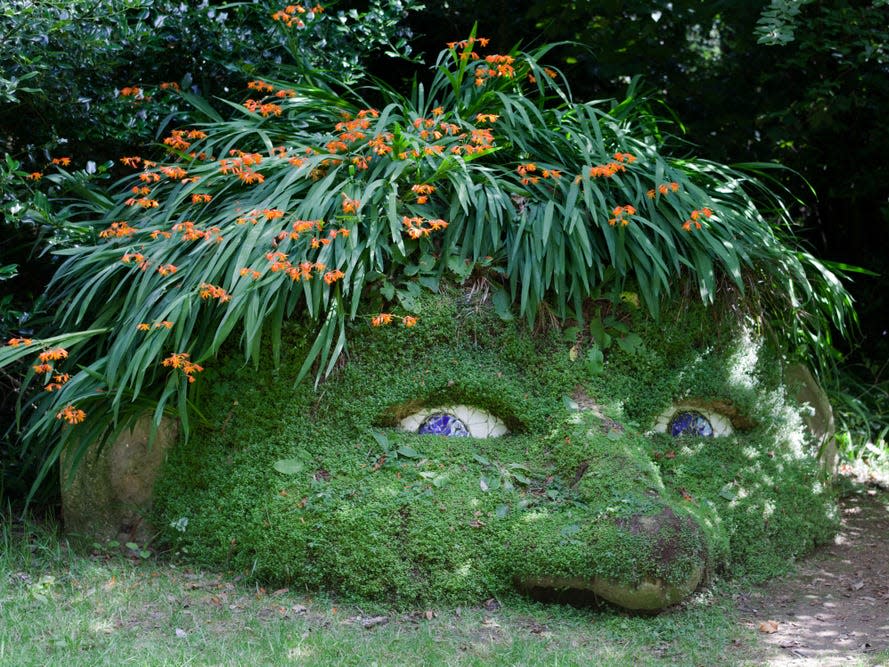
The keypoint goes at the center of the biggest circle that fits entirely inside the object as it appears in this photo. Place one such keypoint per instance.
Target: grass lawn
(65, 606)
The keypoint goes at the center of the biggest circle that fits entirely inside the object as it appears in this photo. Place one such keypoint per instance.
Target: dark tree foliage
(802, 83)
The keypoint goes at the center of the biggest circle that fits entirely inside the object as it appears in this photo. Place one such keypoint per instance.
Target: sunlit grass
(64, 606)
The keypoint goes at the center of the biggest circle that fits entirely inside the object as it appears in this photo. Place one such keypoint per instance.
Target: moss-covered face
(343, 488)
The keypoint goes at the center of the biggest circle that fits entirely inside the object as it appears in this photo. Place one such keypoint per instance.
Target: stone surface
(647, 595)
(111, 491)
(818, 415)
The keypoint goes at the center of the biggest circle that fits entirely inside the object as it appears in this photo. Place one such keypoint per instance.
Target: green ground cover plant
(322, 490)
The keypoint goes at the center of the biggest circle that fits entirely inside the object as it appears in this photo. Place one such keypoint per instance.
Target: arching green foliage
(326, 203)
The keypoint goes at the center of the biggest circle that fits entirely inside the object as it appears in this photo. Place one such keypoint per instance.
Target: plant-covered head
(467, 457)
(329, 204)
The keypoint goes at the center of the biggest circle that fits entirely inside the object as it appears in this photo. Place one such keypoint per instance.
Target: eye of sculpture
(689, 422)
(442, 423)
(454, 421)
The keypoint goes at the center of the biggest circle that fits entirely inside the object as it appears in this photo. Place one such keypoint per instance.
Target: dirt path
(835, 609)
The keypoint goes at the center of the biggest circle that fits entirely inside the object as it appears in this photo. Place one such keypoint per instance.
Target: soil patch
(835, 609)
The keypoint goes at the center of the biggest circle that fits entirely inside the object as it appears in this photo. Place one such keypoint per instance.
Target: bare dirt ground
(835, 609)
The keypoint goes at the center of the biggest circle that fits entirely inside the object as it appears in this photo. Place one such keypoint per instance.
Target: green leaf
(289, 466)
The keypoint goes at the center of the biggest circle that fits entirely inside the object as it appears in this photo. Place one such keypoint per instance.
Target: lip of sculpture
(648, 593)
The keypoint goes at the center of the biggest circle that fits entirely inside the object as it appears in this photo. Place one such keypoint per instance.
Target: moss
(566, 496)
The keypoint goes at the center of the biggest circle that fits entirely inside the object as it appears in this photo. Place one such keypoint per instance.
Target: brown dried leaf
(768, 627)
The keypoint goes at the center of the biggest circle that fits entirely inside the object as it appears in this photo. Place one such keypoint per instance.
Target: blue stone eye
(690, 423)
(442, 423)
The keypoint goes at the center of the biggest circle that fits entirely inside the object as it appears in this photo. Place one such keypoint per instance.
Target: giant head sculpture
(467, 456)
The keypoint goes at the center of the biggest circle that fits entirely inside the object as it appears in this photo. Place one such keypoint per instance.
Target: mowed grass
(66, 606)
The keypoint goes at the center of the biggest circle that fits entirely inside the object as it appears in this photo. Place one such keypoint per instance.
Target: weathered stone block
(112, 489)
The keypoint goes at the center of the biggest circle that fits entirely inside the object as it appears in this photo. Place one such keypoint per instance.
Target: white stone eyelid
(479, 423)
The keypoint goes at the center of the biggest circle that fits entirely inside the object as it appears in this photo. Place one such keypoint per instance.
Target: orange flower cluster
(131, 91)
(380, 144)
(149, 177)
(40, 369)
(167, 269)
(191, 233)
(169, 85)
(180, 360)
(144, 202)
(201, 198)
(301, 226)
(15, 342)
(289, 16)
(486, 118)
(117, 229)
(502, 66)
(71, 414)
(62, 161)
(386, 318)
(163, 324)
(350, 205)
(621, 215)
(54, 354)
(260, 86)
(332, 276)
(241, 165)
(174, 173)
(664, 189)
(208, 291)
(417, 227)
(177, 141)
(58, 380)
(137, 258)
(265, 109)
(695, 219)
(252, 273)
(482, 41)
(303, 271)
(131, 161)
(158, 233)
(35, 176)
(423, 191)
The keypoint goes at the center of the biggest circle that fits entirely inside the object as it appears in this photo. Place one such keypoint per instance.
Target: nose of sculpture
(625, 537)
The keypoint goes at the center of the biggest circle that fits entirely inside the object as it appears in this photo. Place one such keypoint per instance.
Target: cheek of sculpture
(467, 458)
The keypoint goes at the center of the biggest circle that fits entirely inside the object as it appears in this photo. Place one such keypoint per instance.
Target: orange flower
(35, 175)
(40, 369)
(54, 354)
(208, 291)
(165, 324)
(15, 342)
(132, 161)
(201, 198)
(350, 205)
(169, 85)
(71, 414)
(143, 326)
(174, 172)
(486, 118)
(409, 320)
(180, 360)
(63, 161)
(167, 269)
(381, 319)
(117, 229)
(332, 276)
